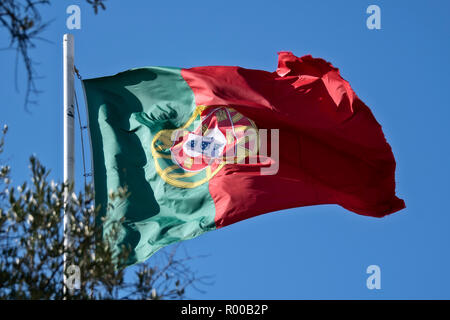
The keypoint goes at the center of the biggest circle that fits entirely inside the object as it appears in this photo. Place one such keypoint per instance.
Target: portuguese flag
(201, 148)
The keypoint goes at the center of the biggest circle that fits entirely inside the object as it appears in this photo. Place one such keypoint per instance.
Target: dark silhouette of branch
(24, 24)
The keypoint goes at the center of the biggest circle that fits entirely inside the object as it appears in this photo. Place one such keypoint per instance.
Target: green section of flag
(125, 112)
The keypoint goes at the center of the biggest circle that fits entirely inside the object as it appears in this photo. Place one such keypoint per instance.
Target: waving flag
(202, 148)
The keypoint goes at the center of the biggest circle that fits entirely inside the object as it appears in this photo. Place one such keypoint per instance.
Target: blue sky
(321, 252)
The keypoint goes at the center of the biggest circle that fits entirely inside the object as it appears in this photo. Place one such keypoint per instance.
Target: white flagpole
(68, 118)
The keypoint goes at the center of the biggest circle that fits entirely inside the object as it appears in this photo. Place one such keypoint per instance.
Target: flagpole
(68, 119)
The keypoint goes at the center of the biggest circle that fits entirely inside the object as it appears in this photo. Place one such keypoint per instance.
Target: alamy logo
(374, 20)
(374, 280)
(73, 279)
(74, 19)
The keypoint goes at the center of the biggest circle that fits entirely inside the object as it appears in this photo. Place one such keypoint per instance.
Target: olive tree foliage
(32, 247)
(23, 22)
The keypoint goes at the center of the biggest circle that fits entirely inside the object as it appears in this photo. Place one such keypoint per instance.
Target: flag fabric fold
(172, 136)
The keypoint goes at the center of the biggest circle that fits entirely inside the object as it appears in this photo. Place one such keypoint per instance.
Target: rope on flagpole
(85, 174)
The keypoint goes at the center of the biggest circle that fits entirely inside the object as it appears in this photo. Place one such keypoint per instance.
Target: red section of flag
(332, 149)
